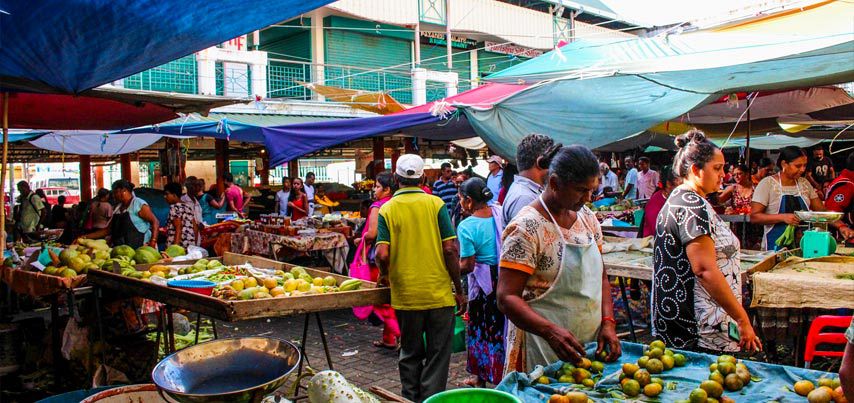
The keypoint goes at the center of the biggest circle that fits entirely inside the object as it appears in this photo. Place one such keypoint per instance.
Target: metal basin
(818, 216)
(227, 370)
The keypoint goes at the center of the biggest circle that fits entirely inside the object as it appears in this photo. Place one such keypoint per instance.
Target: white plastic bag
(75, 339)
(105, 376)
(193, 253)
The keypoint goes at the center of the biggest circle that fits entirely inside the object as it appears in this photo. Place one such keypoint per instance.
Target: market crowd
(522, 252)
(518, 254)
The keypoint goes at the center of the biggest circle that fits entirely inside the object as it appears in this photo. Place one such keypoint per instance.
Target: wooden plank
(205, 305)
(285, 306)
(388, 396)
(636, 272)
(235, 310)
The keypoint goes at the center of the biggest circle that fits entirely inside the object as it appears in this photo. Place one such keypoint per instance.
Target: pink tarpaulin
(481, 97)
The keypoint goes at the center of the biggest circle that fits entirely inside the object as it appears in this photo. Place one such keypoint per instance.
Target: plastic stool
(816, 337)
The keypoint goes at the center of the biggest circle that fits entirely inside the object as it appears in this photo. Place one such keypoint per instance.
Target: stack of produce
(828, 390)
(294, 283)
(637, 378)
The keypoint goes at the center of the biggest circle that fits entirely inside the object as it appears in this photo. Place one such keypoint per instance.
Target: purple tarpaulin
(284, 143)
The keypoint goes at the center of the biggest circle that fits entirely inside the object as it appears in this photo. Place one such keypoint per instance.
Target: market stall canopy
(778, 104)
(791, 111)
(640, 141)
(73, 46)
(105, 108)
(245, 127)
(372, 101)
(93, 142)
(778, 141)
(599, 91)
(223, 129)
(436, 120)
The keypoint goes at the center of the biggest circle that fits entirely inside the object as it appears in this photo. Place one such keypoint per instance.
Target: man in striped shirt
(445, 188)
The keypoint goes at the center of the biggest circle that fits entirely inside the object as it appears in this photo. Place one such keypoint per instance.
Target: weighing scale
(817, 241)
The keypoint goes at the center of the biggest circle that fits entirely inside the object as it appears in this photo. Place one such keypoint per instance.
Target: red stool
(816, 337)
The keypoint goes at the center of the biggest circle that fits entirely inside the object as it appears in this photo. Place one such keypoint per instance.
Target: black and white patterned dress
(683, 313)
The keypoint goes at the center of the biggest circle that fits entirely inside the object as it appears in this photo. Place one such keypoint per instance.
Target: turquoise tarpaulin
(773, 381)
(597, 91)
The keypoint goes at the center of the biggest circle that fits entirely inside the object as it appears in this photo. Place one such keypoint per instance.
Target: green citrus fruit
(631, 388)
(629, 369)
(643, 377)
(733, 383)
(654, 366)
(712, 388)
(698, 396)
(652, 390)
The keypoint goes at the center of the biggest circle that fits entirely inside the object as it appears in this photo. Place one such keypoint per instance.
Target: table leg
(622, 282)
(323, 340)
(101, 340)
(170, 331)
(56, 339)
(198, 327)
(213, 326)
(302, 344)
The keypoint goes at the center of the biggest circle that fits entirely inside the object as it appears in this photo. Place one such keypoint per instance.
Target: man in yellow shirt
(418, 258)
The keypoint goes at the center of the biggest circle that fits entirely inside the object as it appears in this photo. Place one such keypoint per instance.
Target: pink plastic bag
(361, 270)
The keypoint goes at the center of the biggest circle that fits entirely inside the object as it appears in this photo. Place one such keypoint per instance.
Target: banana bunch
(787, 238)
(350, 285)
(127, 265)
(324, 200)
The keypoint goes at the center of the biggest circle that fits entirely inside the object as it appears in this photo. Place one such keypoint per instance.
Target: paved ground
(350, 347)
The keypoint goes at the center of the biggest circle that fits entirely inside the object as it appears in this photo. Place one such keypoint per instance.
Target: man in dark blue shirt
(445, 188)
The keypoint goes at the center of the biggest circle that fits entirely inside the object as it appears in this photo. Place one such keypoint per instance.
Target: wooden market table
(238, 310)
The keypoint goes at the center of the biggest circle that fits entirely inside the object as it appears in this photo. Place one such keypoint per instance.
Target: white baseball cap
(410, 166)
(496, 159)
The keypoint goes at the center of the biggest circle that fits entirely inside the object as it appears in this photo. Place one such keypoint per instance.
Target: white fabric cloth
(94, 142)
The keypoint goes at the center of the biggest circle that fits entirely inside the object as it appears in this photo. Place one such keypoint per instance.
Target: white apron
(574, 301)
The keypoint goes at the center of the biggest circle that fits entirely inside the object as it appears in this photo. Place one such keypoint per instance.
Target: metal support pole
(622, 282)
(747, 139)
(323, 340)
(448, 33)
(3, 171)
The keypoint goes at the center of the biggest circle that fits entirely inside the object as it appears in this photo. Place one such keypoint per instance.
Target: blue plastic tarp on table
(774, 384)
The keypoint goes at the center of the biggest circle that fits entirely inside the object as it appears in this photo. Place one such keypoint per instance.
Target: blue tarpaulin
(772, 382)
(224, 130)
(72, 46)
(284, 143)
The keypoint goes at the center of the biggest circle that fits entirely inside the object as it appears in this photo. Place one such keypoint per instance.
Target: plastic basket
(458, 342)
(203, 287)
(473, 396)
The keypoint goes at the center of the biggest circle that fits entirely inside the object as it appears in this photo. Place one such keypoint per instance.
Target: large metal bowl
(227, 370)
(818, 216)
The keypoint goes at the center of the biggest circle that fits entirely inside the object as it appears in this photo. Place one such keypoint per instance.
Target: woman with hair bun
(696, 283)
(552, 283)
(777, 197)
(480, 243)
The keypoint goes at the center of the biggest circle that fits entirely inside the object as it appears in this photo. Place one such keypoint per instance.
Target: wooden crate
(369, 294)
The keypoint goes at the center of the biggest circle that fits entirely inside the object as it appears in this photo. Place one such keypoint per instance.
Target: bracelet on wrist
(609, 319)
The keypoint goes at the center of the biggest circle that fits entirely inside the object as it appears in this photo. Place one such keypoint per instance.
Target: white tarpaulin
(94, 142)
